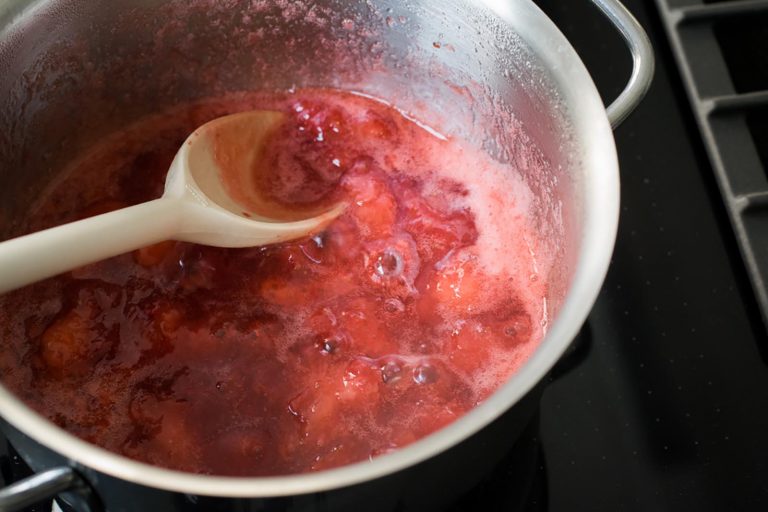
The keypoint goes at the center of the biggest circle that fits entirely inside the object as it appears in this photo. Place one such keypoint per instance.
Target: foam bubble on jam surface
(411, 308)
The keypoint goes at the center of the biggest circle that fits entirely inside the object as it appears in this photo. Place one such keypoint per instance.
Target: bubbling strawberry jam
(404, 313)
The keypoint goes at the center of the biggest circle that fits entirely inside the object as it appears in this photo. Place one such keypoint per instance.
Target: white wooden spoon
(218, 157)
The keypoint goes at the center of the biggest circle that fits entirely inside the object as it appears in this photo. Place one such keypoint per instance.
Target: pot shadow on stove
(13, 469)
(519, 481)
(517, 484)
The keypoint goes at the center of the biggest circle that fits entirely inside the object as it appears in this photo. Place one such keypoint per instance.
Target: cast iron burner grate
(722, 50)
(13, 469)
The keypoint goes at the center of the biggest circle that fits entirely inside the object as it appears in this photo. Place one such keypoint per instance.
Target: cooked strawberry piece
(64, 345)
(372, 205)
(154, 254)
(365, 329)
(175, 438)
(438, 230)
(375, 127)
(469, 346)
(455, 285)
(360, 382)
(307, 157)
(79, 338)
(239, 447)
(346, 448)
(168, 320)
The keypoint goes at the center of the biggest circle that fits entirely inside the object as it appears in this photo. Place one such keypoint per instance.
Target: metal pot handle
(44, 486)
(642, 60)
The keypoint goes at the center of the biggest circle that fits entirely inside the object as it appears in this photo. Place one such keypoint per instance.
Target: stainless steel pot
(71, 70)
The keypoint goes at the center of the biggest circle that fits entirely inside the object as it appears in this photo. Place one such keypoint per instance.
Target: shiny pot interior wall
(72, 71)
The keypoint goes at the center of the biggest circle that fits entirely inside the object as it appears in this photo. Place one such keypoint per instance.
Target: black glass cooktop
(664, 404)
(669, 410)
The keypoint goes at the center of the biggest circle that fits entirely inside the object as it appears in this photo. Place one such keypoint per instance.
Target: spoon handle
(40, 255)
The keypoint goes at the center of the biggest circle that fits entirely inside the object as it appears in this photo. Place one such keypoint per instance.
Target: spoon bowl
(223, 208)
(211, 198)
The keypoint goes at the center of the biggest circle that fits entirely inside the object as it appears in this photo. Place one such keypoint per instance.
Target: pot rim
(600, 187)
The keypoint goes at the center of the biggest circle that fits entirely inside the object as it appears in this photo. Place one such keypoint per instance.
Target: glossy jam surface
(406, 312)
